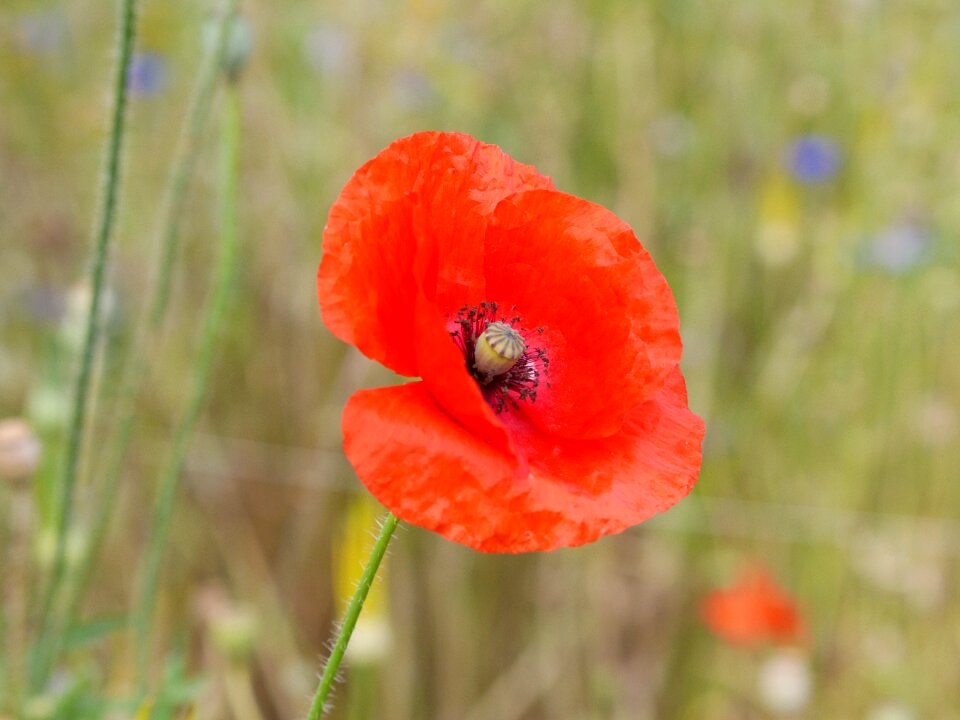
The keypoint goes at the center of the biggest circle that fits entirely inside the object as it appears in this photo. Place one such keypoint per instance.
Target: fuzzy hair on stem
(110, 193)
(319, 707)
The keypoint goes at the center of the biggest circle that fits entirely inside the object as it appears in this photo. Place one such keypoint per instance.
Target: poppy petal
(752, 611)
(411, 218)
(611, 483)
(428, 469)
(596, 435)
(612, 334)
(431, 471)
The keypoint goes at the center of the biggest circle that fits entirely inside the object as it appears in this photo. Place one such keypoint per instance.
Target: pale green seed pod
(237, 45)
(497, 350)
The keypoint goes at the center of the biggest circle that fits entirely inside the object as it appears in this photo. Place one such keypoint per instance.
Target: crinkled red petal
(609, 320)
(427, 468)
(411, 219)
(431, 471)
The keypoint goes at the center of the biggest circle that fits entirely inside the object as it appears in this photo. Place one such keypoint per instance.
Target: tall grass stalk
(319, 705)
(110, 193)
(224, 275)
(137, 365)
(186, 154)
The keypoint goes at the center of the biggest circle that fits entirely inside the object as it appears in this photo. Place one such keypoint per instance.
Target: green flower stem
(186, 155)
(319, 705)
(224, 276)
(137, 364)
(104, 232)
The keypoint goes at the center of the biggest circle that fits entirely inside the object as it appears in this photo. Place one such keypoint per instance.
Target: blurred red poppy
(550, 410)
(753, 611)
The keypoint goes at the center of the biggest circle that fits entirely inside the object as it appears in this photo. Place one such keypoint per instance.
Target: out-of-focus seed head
(237, 47)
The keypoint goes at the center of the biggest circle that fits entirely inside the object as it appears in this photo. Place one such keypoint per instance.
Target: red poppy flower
(550, 409)
(753, 611)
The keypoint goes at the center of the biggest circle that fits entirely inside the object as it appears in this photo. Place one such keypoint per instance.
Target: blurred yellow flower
(778, 237)
(372, 636)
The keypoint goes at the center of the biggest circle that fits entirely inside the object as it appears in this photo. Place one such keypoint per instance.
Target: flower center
(497, 356)
(497, 350)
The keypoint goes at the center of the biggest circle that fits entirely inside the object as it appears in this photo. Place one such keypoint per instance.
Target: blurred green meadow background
(793, 167)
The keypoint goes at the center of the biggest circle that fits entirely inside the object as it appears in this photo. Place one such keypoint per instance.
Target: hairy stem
(104, 232)
(137, 365)
(319, 705)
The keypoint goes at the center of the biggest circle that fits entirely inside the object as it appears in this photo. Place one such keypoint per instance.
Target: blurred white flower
(371, 641)
(784, 682)
(891, 711)
(905, 562)
(901, 247)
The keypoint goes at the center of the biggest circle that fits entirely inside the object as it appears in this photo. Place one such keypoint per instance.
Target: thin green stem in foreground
(137, 364)
(104, 232)
(319, 705)
(224, 275)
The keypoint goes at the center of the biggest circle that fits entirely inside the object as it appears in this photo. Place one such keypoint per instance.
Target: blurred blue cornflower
(147, 74)
(44, 304)
(899, 248)
(41, 33)
(813, 159)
